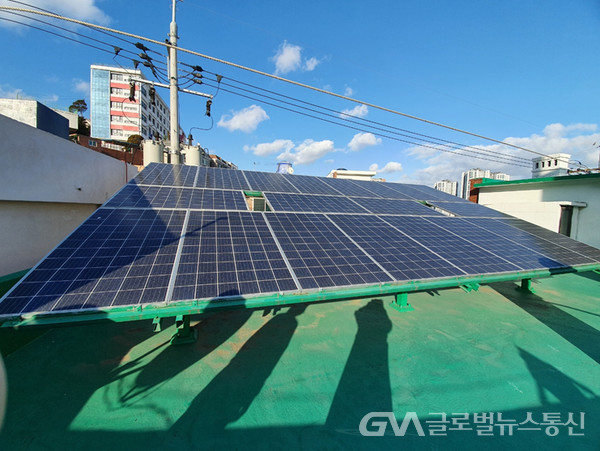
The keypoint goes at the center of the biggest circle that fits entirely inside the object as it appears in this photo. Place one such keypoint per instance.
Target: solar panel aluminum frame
(200, 306)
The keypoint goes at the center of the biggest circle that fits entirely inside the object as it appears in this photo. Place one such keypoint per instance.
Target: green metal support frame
(526, 286)
(185, 334)
(199, 306)
(401, 304)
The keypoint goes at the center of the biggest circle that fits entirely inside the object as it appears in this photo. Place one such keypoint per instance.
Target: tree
(79, 107)
(135, 141)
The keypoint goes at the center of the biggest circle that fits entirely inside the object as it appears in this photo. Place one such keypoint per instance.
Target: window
(542, 164)
(537, 165)
(118, 77)
(144, 92)
(92, 143)
(555, 162)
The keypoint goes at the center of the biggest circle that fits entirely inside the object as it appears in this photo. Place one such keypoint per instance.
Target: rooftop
(562, 178)
(305, 376)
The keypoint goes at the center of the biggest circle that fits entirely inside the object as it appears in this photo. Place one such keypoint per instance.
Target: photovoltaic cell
(349, 188)
(509, 247)
(557, 247)
(401, 256)
(313, 203)
(311, 185)
(385, 190)
(167, 175)
(271, 182)
(229, 254)
(213, 199)
(224, 179)
(319, 253)
(117, 257)
(134, 196)
(467, 256)
(396, 207)
(432, 194)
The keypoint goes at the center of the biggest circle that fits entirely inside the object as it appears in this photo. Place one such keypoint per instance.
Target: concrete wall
(35, 114)
(48, 186)
(540, 203)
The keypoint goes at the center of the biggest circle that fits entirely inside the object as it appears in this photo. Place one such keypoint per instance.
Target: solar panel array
(183, 233)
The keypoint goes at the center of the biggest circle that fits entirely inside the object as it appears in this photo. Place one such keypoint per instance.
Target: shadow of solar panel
(116, 257)
(469, 209)
(320, 254)
(285, 202)
(402, 257)
(229, 254)
(396, 207)
(470, 258)
(271, 182)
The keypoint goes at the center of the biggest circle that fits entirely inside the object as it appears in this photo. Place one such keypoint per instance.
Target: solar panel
(313, 203)
(229, 254)
(396, 207)
(275, 183)
(401, 256)
(320, 254)
(180, 238)
(459, 251)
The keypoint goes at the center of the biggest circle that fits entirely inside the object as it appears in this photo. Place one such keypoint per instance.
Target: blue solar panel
(396, 207)
(319, 253)
(510, 246)
(379, 189)
(221, 179)
(433, 194)
(349, 187)
(271, 182)
(311, 185)
(459, 251)
(313, 203)
(213, 199)
(117, 257)
(229, 254)
(402, 257)
(557, 247)
(167, 175)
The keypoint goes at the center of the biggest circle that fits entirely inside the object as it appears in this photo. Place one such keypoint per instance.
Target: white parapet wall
(48, 186)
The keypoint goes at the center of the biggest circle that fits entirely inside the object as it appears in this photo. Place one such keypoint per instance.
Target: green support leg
(185, 334)
(526, 285)
(401, 304)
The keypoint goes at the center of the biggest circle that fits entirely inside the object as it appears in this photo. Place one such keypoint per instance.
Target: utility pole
(173, 85)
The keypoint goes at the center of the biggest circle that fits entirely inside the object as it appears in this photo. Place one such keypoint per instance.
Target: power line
(276, 77)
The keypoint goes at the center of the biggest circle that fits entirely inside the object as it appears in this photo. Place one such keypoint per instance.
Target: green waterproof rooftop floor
(305, 376)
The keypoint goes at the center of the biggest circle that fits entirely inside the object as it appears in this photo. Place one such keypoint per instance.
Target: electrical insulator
(152, 94)
(131, 91)
(208, 104)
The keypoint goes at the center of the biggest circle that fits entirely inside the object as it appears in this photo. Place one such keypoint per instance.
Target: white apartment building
(447, 186)
(114, 116)
(477, 173)
(553, 165)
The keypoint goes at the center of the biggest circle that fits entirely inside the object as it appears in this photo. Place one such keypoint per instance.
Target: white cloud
(81, 86)
(288, 58)
(310, 64)
(245, 120)
(8, 92)
(357, 111)
(574, 139)
(330, 161)
(348, 92)
(307, 152)
(265, 149)
(362, 140)
(85, 10)
(390, 167)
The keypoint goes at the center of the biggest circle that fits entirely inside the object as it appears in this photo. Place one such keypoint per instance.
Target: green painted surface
(571, 178)
(304, 377)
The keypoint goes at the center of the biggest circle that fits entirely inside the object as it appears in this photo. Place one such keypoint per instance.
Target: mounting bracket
(185, 334)
(401, 304)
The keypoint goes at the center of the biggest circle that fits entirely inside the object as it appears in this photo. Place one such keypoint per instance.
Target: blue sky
(524, 72)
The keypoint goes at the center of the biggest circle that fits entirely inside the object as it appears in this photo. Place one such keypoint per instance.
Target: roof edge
(563, 178)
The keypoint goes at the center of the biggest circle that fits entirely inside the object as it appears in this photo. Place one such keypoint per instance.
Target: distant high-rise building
(114, 116)
(550, 165)
(477, 173)
(447, 186)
